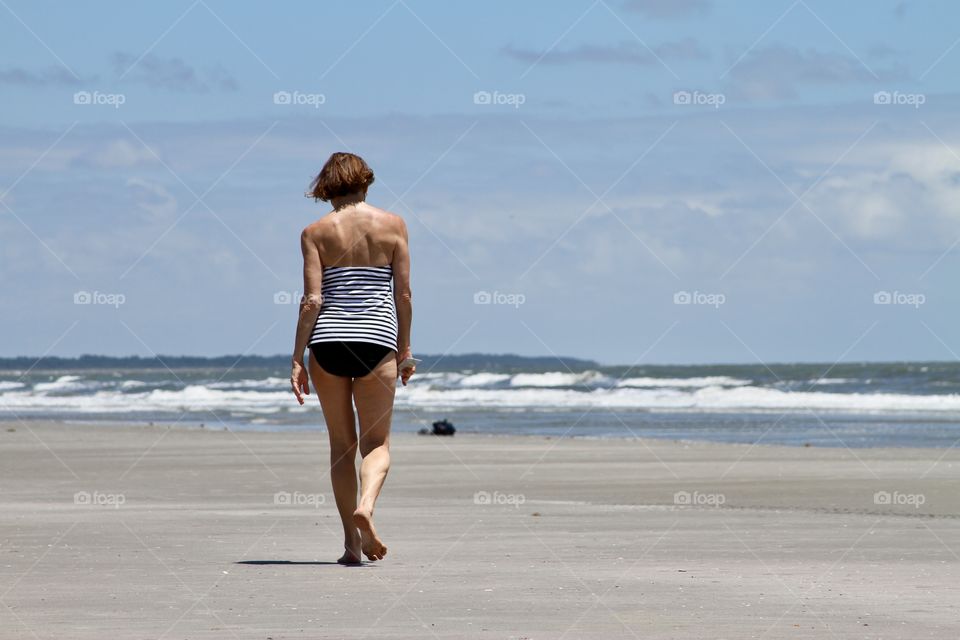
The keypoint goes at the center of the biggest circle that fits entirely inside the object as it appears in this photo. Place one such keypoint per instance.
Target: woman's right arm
(309, 310)
(403, 298)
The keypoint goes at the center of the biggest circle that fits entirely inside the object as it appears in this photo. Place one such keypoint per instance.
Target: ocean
(845, 405)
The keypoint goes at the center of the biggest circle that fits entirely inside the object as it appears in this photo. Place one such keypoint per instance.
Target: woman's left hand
(299, 381)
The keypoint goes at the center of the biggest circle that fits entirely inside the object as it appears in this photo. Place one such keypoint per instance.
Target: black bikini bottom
(348, 359)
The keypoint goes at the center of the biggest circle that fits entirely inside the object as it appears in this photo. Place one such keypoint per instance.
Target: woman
(358, 332)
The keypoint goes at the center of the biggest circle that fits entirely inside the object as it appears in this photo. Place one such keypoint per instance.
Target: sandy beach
(153, 532)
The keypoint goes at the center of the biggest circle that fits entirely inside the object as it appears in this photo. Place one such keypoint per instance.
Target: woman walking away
(358, 332)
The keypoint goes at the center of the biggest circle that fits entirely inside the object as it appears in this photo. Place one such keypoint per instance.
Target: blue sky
(595, 164)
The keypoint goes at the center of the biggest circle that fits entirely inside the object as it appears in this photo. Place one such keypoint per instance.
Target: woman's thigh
(373, 395)
(336, 400)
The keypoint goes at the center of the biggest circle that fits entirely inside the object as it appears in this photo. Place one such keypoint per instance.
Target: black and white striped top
(357, 305)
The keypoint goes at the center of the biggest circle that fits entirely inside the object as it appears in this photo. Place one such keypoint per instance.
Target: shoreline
(320, 428)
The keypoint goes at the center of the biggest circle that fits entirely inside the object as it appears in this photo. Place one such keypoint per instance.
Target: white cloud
(153, 198)
(498, 200)
(50, 76)
(171, 73)
(118, 153)
(906, 192)
(779, 72)
(627, 52)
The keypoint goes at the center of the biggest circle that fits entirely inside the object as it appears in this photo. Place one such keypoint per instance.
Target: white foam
(707, 381)
(7, 386)
(764, 398)
(194, 397)
(743, 398)
(436, 375)
(266, 383)
(557, 379)
(191, 398)
(421, 394)
(821, 381)
(63, 383)
(483, 379)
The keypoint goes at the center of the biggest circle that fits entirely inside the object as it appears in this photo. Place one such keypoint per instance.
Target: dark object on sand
(440, 428)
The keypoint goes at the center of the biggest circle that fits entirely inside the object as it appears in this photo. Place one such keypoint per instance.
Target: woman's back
(360, 251)
(357, 235)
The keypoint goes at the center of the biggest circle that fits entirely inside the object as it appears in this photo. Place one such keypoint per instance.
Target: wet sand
(149, 532)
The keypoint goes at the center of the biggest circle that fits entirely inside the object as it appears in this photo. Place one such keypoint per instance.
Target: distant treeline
(475, 361)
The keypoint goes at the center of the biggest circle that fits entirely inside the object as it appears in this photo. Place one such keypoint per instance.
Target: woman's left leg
(336, 400)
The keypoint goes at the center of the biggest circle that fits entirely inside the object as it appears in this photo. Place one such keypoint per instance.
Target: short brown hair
(343, 174)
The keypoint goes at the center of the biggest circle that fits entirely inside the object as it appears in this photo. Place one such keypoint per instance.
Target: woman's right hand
(405, 374)
(299, 380)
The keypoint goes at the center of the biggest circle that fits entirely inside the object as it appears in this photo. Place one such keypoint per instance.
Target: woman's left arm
(309, 309)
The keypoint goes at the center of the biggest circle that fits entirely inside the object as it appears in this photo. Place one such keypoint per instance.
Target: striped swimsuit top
(357, 306)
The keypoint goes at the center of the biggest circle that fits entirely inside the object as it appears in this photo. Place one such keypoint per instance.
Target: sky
(628, 181)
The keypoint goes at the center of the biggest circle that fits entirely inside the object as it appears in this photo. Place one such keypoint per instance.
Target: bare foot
(349, 557)
(351, 554)
(370, 543)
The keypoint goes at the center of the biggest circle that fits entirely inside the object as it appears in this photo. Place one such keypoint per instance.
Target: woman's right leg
(335, 393)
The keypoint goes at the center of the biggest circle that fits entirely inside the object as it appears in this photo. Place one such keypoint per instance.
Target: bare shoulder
(391, 218)
(311, 237)
(314, 229)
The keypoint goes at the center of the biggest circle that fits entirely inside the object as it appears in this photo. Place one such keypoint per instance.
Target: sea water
(851, 405)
